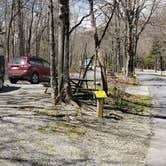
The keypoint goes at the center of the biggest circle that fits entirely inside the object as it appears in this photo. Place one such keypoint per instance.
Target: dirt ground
(33, 132)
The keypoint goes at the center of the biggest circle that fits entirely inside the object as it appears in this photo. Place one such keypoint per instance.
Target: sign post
(100, 95)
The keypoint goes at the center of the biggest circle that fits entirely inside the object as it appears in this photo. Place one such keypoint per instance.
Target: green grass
(43, 131)
(141, 107)
(52, 150)
(146, 100)
(65, 128)
(132, 103)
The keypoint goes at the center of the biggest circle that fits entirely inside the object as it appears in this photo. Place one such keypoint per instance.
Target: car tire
(13, 80)
(35, 78)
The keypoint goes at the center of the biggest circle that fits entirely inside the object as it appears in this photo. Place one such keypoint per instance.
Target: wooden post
(100, 104)
(100, 95)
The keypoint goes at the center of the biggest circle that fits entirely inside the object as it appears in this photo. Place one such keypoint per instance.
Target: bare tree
(63, 52)
(53, 58)
(98, 41)
(21, 37)
(135, 21)
(28, 48)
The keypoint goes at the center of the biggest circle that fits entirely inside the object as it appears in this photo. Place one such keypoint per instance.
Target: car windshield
(19, 61)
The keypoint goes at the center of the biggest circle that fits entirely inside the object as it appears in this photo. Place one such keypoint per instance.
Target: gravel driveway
(32, 134)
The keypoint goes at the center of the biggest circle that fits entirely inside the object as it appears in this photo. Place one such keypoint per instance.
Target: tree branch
(78, 24)
(107, 25)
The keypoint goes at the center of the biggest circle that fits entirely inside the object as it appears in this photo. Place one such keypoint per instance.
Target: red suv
(28, 68)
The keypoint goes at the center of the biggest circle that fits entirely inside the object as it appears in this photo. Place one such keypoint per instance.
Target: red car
(28, 68)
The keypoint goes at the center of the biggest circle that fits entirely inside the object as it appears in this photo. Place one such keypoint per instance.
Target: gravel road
(157, 87)
(31, 134)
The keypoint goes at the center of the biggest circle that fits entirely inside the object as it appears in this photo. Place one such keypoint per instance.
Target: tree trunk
(95, 35)
(20, 29)
(66, 54)
(161, 63)
(8, 32)
(131, 52)
(63, 52)
(61, 36)
(28, 50)
(102, 63)
(53, 72)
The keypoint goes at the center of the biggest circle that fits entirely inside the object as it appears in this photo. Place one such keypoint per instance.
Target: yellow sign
(100, 94)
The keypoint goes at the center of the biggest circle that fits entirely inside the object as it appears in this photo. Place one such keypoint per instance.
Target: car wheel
(1, 83)
(35, 78)
(13, 80)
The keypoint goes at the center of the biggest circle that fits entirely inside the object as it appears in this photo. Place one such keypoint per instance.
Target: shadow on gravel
(156, 85)
(159, 116)
(21, 161)
(9, 89)
(44, 163)
(157, 79)
(156, 116)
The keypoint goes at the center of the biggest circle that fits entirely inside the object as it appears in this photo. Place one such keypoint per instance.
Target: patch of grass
(133, 103)
(146, 100)
(70, 130)
(61, 128)
(111, 90)
(139, 100)
(73, 135)
(132, 106)
(133, 81)
(83, 155)
(65, 128)
(43, 131)
(76, 132)
(52, 150)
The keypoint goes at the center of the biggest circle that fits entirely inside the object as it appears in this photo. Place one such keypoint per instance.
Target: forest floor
(35, 132)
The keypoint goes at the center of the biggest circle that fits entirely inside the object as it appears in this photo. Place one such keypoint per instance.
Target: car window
(46, 64)
(36, 62)
(32, 62)
(19, 61)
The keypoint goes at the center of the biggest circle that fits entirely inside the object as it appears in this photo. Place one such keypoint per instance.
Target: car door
(46, 70)
(37, 66)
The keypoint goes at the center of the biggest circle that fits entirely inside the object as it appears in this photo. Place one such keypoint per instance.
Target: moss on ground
(65, 128)
(52, 150)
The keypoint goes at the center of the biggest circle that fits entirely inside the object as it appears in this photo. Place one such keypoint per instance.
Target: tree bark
(21, 38)
(131, 52)
(98, 41)
(95, 36)
(53, 72)
(66, 54)
(61, 35)
(28, 49)
(63, 52)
